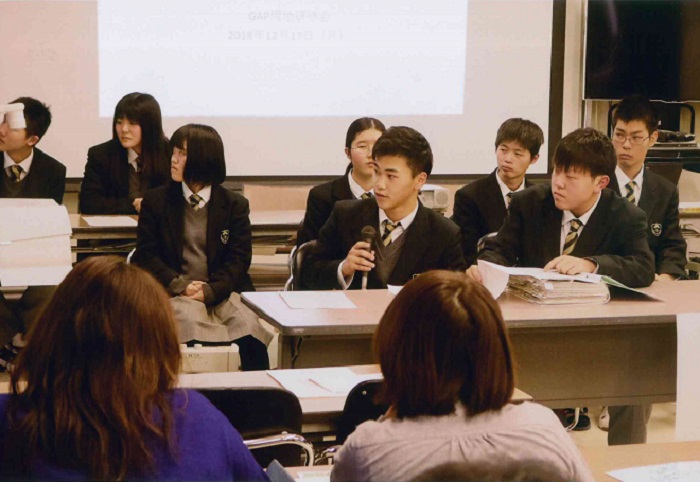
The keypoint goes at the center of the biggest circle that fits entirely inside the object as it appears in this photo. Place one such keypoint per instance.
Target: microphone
(368, 235)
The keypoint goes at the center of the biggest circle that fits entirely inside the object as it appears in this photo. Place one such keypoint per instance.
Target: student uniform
(45, 179)
(480, 209)
(430, 242)
(106, 182)
(161, 249)
(614, 236)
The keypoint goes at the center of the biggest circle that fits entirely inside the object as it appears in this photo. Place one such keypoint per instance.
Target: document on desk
(320, 382)
(314, 300)
(687, 386)
(111, 221)
(674, 472)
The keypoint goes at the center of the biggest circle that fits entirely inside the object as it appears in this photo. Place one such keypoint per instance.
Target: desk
(604, 459)
(320, 414)
(628, 347)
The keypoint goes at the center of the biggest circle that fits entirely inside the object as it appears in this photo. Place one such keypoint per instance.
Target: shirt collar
(26, 164)
(505, 189)
(132, 156)
(405, 222)
(355, 188)
(204, 193)
(622, 178)
(568, 215)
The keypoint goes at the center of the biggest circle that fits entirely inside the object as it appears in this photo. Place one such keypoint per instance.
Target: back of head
(205, 153)
(407, 143)
(101, 357)
(586, 150)
(637, 108)
(525, 132)
(442, 340)
(36, 115)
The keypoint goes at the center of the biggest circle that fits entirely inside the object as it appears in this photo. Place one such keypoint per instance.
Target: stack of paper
(558, 292)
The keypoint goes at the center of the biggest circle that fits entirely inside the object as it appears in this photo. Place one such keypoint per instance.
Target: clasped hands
(194, 291)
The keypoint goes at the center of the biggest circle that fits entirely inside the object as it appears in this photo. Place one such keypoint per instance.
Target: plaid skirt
(225, 322)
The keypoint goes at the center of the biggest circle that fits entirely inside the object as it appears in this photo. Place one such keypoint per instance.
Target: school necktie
(195, 199)
(572, 236)
(509, 196)
(15, 172)
(366, 195)
(630, 192)
(136, 164)
(388, 228)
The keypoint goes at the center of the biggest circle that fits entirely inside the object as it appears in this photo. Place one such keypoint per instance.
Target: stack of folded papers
(558, 292)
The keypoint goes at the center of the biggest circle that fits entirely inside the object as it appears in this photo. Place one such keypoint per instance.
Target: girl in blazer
(194, 236)
(136, 159)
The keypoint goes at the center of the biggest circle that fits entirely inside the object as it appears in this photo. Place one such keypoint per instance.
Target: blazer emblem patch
(224, 236)
(656, 229)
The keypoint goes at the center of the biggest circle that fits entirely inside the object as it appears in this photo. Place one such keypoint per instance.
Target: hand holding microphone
(361, 256)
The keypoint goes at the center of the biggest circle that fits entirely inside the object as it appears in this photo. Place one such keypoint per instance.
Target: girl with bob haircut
(448, 372)
(121, 170)
(93, 394)
(194, 236)
(357, 183)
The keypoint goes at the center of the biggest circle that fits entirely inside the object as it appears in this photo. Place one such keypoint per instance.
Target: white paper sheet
(495, 277)
(323, 382)
(687, 386)
(394, 289)
(35, 262)
(306, 300)
(316, 475)
(31, 222)
(674, 472)
(110, 221)
(37, 276)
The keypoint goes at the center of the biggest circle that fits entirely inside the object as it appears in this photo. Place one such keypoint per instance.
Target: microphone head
(368, 234)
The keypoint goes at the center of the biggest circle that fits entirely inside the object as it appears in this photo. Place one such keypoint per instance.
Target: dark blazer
(105, 187)
(46, 178)
(319, 205)
(659, 200)
(432, 242)
(479, 209)
(615, 236)
(229, 248)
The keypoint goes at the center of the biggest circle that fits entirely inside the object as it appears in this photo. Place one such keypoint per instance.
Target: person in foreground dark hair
(93, 394)
(446, 359)
(194, 236)
(119, 171)
(408, 237)
(357, 183)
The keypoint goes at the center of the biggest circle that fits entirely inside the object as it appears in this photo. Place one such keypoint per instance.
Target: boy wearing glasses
(481, 206)
(635, 131)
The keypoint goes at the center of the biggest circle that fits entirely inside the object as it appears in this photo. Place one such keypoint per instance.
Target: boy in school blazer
(575, 225)
(480, 207)
(355, 184)
(409, 238)
(28, 173)
(635, 130)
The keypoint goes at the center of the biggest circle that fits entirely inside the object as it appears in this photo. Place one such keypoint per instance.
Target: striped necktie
(195, 199)
(388, 228)
(630, 192)
(509, 196)
(366, 195)
(572, 236)
(15, 172)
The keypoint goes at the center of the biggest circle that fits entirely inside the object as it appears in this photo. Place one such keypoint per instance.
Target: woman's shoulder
(108, 148)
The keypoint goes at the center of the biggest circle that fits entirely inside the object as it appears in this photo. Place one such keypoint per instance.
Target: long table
(623, 352)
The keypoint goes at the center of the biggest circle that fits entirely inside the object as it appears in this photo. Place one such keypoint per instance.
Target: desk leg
(321, 351)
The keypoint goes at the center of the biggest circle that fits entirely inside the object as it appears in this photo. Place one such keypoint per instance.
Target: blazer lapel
(497, 208)
(596, 228)
(551, 230)
(175, 217)
(215, 220)
(646, 200)
(414, 247)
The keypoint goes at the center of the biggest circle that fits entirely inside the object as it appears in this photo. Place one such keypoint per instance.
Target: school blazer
(615, 236)
(479, 209)
(46, 178)
(432, 242)
(659, 200)
(319, 205)
(229, 249)
(105, 187)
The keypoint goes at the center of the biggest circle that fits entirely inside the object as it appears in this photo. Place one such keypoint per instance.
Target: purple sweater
(209, 448)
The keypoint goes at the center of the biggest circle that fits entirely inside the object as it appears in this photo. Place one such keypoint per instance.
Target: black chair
(269, 419)
(361, 405)
(296, 258)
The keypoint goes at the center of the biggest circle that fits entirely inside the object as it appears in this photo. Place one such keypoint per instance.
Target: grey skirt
(225, 322)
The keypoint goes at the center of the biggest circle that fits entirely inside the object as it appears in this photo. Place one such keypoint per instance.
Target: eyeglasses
(362, 148)
(620, 138)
